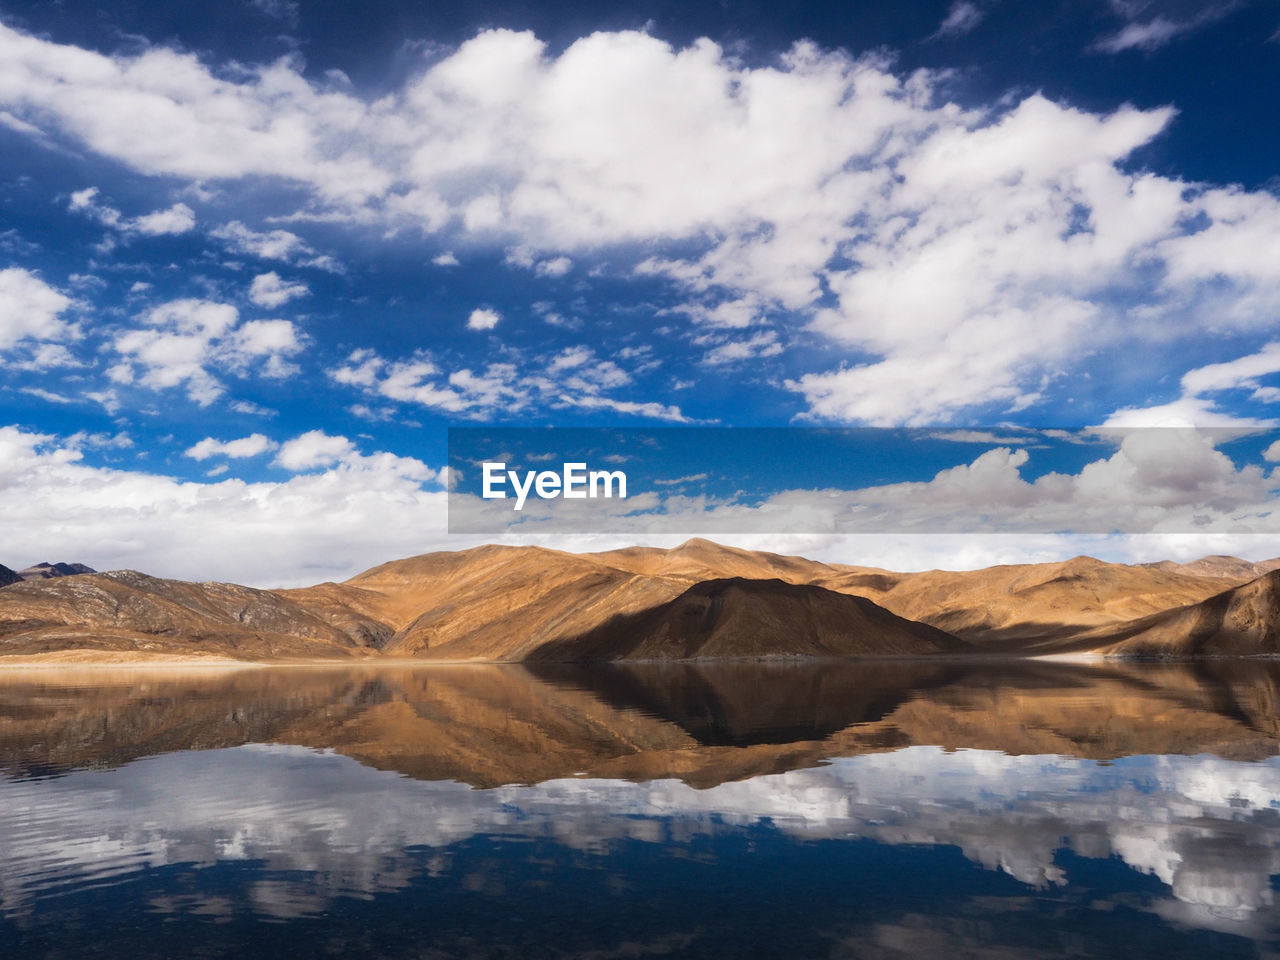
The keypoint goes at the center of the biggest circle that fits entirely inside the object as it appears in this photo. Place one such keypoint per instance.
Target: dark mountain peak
(46, 570)
(739, 617)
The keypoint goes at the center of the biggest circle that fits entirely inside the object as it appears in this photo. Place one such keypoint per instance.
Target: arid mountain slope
(1218, 565)
(8, 576)
(698, 559)
(507, 603)
(1010, 603)
(127, 610)
(488, 603)
(991, 605)
(1243, 621)
(753, 618)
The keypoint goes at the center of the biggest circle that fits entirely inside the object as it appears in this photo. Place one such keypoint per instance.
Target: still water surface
(824, 810)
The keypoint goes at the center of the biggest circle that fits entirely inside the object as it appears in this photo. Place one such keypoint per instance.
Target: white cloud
(178, 218)
(961, 18)
(273, 245)
(311, 527)
(251, 446)
(46, 395)
(185, 342)
(446, 259)
(554, 267)
(269, 290)
(314, 449)
(482, 318)
(31, 310)
(1194, 409)
(950, 258)
(251, 408)
(764, 344)
(573, 378)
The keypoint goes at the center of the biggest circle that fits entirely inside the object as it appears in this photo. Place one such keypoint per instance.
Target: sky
(253, 266)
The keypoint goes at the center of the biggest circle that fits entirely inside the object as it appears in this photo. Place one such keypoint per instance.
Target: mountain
(738, 617)
(1244, 621)
(1219, 566)
(132, 612)
(698, 559)
(1001, 606)
(8, 576)
(47, 571)
(701, 599)
(487, 603)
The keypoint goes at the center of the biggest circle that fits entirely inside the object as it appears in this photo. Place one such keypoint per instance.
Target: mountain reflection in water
(681, 810)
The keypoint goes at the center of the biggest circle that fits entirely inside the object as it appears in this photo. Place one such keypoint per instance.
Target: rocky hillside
(130, 611)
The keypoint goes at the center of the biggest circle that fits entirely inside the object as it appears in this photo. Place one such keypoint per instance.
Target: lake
(915, 809)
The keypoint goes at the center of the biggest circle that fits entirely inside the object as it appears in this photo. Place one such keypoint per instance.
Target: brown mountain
(130, 611)
(488, 603)
(1219, 565)
(752, 618)
(498, 603)
(994, 605)
(1244, 621)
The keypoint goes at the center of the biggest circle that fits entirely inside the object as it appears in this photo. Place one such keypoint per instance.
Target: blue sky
(253, 265)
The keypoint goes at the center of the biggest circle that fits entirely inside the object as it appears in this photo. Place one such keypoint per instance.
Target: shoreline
(121, 660)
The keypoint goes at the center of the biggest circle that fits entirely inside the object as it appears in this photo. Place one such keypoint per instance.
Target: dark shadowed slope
(47, 571)
(753, 618)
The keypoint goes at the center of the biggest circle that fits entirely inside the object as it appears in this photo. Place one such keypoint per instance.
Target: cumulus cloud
(950, 258)
(185, 342)
(482, 318)
(251, 446)
(331, 523)
(269, 290)
(177, 219)
(314, 449)
(32, 311)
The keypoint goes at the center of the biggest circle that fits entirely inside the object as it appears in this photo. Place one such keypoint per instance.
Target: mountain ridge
(505, 603)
